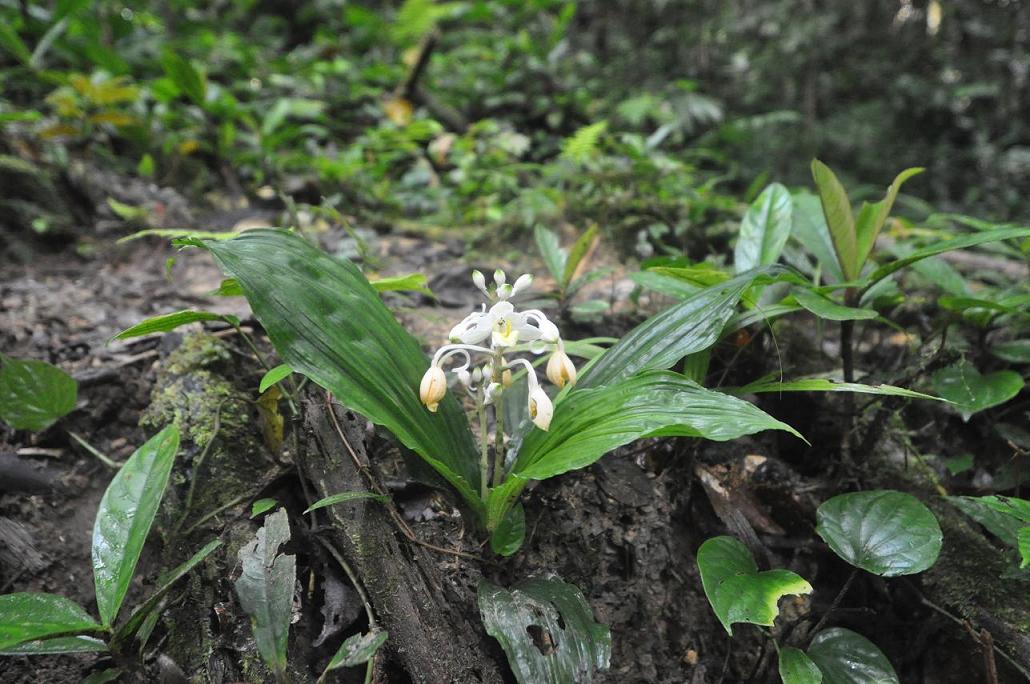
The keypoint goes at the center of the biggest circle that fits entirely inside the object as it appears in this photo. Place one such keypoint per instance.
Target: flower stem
(499, 439)
(484, 448)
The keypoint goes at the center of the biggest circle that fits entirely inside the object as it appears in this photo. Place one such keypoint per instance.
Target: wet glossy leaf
(328, 323)
(839, 219)
(811, 232)
(797, 668)
(56, 646)
(972, 392)
(34, 394)
(265, 589)
(357, 650)
(735, 588)
(588, 423)
(547, 631)
(1003, 516)
(124, 518)
(509, 535)
(884, 532)
(27, 616)
(845, 657)
(170, 321)
(824, 307)
(764, 229)
(343, 497)
(1023, 546)
(689, 326)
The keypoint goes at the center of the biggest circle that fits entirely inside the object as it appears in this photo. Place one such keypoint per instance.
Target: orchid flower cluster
(484, 340)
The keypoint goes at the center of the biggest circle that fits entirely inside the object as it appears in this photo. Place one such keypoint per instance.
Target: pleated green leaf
(588, 423)
(839, 218)
(126, 513)
(327, 322)
(26, 616)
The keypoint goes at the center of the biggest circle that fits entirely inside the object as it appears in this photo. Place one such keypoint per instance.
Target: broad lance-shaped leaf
(735, 588)
(265, 589)
(27, 616)
(689, 326)
(124, 518)
(170, 321)
(588, 423)
(554, 614)
(328, 323)
(357, 650)
(884, 532)
(764, 229)
(824, 307)
(845, 657)
(839, 219)
(34, 394)
(871, 217)
(550, 249)
(771, 384)
(57, 646)
(809, 229)
(797, 668)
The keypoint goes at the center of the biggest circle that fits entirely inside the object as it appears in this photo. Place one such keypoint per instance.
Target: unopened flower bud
(433, 388)
(523, 283)
(548, 331)
(540, 408)
(506, 378)
(499, 277)
(464, 377)
(560, 369)
(493, 390)
(505, 291)
(477, 376)
(479, 279)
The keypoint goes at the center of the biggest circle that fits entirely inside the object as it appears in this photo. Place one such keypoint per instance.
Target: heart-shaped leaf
(735, 588)
(884, 532)
(26, 616)
(124, 518)
(34, 394)
(328, 323)
(797, 668)
(764, 229)
(972, 392)
(547, 631)
(845, 657)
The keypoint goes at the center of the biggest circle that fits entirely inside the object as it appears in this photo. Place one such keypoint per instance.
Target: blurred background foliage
(646, 117)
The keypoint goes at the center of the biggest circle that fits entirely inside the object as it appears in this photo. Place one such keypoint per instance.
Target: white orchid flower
(541, 410)
(560, 369)
(433, 388)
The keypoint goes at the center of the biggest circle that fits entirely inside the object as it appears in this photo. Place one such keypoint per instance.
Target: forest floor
(624, 530)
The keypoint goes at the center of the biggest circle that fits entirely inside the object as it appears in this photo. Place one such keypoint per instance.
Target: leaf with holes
(547, 631)
(735, 588)
(265, 589)
(845, 657)
(884, 532)
(34, 394)
(972, 392)
(797, 668)
(126, 513)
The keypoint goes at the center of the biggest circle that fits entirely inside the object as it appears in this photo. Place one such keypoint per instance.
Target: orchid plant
(482, 339)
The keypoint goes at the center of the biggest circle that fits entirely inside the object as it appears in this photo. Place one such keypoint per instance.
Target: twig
(235, 502)
(976, 638)
(987, 646)
(836, 602)
(199, 461)
(103, 458)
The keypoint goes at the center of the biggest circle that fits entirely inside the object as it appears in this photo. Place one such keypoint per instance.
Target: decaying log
(431, 634)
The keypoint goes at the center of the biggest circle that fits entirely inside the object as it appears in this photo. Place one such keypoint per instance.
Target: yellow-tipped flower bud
(433, 388)
(560, 369)
(540, 408)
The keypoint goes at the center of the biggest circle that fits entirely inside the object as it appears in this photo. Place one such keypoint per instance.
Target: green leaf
(357, 650)
(884, 532)
(328, 323)
(845, 657)
(34, 394)
(1023, 546)
(839, 219)
(554, 614)
(413, 282)
(972, 392)
(1003, 516)
(689, 326)
(126, 513)
(343, 497)
(824, 307)
(735, 588)
(229, 287)
(576, 254)
(582, 145)
(265, 589)
(185, 77)
(56, 646)
(12, 43)
(509, 535)
(947, 246)
(811, 232)
(770, 384)
(1016, 351)
(27, 616)
(797, 668)
(261, 506)
(764, 230)
(550, 249)
(103, 676)
(170, 321)
(273, 376)
(167, 581)
(179, 233)
(588, 423)
(871, 217)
